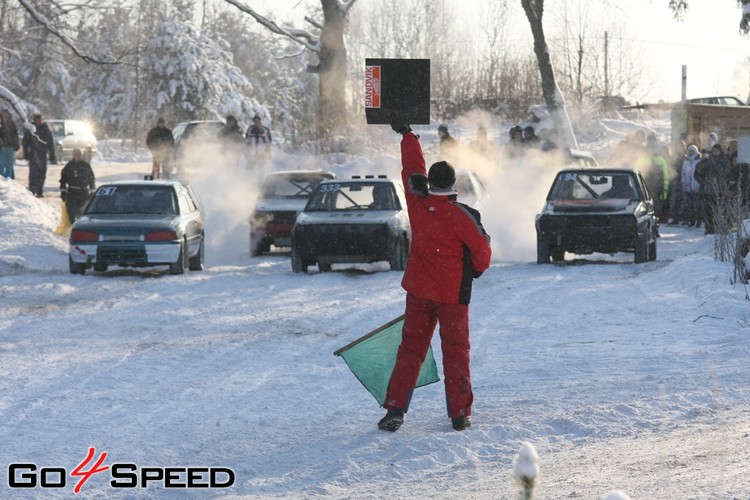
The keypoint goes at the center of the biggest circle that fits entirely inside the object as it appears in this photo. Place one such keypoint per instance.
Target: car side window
(186, 204)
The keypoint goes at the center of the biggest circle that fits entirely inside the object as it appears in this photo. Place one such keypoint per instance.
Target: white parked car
(70, 135)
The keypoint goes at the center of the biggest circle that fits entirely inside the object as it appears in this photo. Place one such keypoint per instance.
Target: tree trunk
(553, 97)
(332, 87)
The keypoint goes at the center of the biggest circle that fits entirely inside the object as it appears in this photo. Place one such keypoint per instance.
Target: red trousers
(419, 324)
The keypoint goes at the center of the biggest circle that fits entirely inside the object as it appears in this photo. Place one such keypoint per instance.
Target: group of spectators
(690, 185)
(77, 180)
(520, 141)
(713, 184)
(160, 141)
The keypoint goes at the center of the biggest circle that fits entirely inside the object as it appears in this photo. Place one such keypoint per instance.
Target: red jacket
(449, 245)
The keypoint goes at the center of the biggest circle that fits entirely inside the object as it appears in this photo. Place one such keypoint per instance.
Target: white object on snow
(616, 495)
(526, 469)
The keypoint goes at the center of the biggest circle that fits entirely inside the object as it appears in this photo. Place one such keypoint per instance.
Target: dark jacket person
(77, 182)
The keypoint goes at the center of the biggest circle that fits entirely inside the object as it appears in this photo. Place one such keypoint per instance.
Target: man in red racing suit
(449, 249)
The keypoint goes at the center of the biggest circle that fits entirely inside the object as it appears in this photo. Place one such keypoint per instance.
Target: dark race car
(605, 210)
(283, 196)
(358, 220)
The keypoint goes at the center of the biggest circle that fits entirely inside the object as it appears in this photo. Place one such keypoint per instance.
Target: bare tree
(553, 97)
(331, 51)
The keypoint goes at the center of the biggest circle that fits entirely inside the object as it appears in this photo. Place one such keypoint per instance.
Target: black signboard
(398, 86)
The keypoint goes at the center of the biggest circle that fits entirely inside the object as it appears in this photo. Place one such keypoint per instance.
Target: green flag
(372, 357)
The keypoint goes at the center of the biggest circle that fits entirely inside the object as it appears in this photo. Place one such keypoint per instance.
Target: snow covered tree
(276, 69)
(192, 76)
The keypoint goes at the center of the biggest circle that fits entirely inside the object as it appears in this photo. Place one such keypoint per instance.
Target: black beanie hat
(442, 177)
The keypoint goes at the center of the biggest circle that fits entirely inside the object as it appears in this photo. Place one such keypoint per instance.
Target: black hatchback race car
(358, 220)
(605, 210)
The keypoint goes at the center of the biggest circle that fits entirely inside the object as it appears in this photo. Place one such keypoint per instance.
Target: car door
(191, 220)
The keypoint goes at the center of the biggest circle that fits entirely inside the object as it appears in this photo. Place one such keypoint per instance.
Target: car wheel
(400, 254)
(298, 265)
(59, 153)
(557, 254)
(641, 250)
(652, 251)
(100, 268)
(324, 268)
(258, 246)
(542, 251)
(76, 268)
(179, 266)
(196, 262)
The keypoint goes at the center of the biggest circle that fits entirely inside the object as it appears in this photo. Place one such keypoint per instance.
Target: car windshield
(332, 196)
(136, 199)
(291, 186)
(577, 186)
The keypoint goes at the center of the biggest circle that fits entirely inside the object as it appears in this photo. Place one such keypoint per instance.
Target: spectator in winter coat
(449, 249)
(9, 144)
(713, 138)
(483, 146)
(161, 143)
(258, 138)
(657, 176)
(232, 139)
(530, 139)
(675, 183)
(231, 131)
(514, 147)
(713, 174)
(38, 144)
(448, 144)
(691, 188)
(77, 182)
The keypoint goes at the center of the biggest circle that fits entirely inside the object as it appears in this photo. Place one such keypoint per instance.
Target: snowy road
(622, 376)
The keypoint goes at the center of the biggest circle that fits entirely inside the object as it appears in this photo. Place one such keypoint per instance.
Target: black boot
(460, 423)
(392, 420)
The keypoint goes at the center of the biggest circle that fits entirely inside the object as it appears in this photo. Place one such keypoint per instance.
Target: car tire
(258, 246)
(652, 251)
(400, 254)
(557, 254)
(76, 268)
(196, 262)
(325, 268)
(100, 268)
(179, 266)
(298, 265)
(640, 253)
(542, 251)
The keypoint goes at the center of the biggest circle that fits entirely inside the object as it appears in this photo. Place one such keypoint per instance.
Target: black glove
(398, 126)
(64, 195)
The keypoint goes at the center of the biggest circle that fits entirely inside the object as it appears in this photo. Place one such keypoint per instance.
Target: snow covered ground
(622, 376)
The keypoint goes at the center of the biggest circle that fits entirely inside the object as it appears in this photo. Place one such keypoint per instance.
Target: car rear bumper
(125, 254)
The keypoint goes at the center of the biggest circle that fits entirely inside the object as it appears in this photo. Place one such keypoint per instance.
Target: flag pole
(367, 336)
